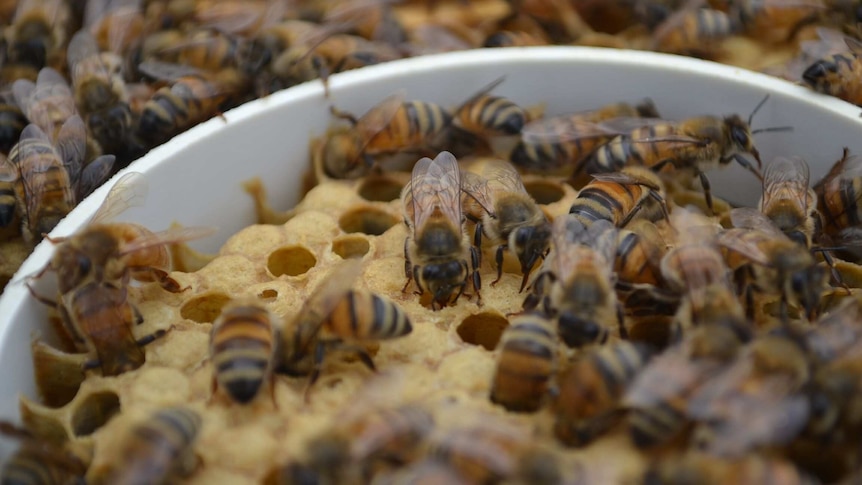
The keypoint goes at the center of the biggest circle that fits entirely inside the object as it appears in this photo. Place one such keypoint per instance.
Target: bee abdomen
(526, 363)
(365, 315)
(242, 348)
(653, 426)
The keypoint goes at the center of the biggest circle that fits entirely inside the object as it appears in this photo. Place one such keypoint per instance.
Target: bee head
(530, 243)
(444, 279)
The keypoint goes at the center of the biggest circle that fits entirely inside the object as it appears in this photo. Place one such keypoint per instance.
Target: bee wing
(482, 92)
(22, 92)
(786, 172)
(52, 89)
(378, 117)
(81, 48)
(30, 149)
(750, 218)
(504, 176)
(166, 71)
(173, 235)
(670, 375)
(94, 173)
(129, 191)
(734, 240)
(96, 10)
(624, 179)
(324, 299)
(562, 128)
(476, 187)
(8, 171)
(854, 45)
(226, 17)
(436, 186)
(692, 226)
(72, 145)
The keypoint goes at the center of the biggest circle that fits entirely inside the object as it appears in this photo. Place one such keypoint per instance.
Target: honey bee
(242, 348)
(658, 396)
(838, 196)
(349, 317)
(526, 361)
(48, 102)
(707, 469)
(49, 179)
(779, 265)
(363, 446)
(488, 115)
(694, 31)
(193, 97)
(100, 91)
(696, 144)
(696, 269)
(269, 42)
(38, 461)
(116, 25)
(577, 287)
(591, 389)
(568, 140)
(776, 21)
(12, 122)
(207, 50)
(788, 201)
(113, 252)
(435, 249)
(391, 126)
(640, 250)
(156, 450)
(38, 33)
(621, 196)
(756, 401)
(372, 19)
(510, 217)
(837, 74)
(494, 451)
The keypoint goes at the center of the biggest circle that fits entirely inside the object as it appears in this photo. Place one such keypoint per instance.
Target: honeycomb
(447, 360)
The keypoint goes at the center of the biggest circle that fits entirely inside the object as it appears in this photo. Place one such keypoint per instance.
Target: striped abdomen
(362, 315)
(414, 125)
(492, 115)
(557, 147)
(242, 347)
(608, 200)
(43, 191)
(839, 204)
(191, 100)
(838, 75)
(526, 362)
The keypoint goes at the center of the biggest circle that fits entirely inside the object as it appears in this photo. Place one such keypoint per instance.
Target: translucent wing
(482, 92)
(502, 175)
(830, 42)
(93, 174)
(736, 240)
(166, 71)
(173, 235)
(670, 375)
(34, 163)
(378, 117)
(785, 177)
(47, 103)
(436, 188)
(129, 191)
(749, 218)
(96, 10)
(8, 171)
(72, 145)
(80, 54)
(561, 128)
(624, 179)
(476, 187)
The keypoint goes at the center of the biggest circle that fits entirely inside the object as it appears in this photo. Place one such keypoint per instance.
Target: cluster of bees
(725, 343)
(130, 74)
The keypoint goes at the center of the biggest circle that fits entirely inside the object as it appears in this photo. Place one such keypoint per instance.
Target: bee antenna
(772, 129)
(757, 108)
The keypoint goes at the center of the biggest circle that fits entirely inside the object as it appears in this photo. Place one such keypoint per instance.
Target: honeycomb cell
(95, 410)
(351, 247)
(58, 375)
(290, 261)
(544, 191)
(44, 423)
(367, 220)
(204, 308)
(483, 329)
(380, 189)
(268, 294)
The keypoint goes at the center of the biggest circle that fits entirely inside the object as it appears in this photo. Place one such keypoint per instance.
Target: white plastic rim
(195, 177)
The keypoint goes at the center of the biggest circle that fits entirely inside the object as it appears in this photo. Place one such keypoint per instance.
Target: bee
(658, 396)
(100, 91)
(619, 197)
(591, 389)
(640, 250)
(113, 252)
(242, 348)
(577, 287)
(156, 450)
(488, 115)
(48, 102)
(776, 21)
(779, 265)
(838, 196)
(568, 140)
(391, 126)
(193, 97)
(696, 269)
(12, 122)
(509, 216)
(707, 469)
(371, 19)
(38, 461)
(436, 247)
(494, 451)
(526, 362)
(38, 33)
(116, 25)
(207, 50)
(50, 180)
(788, 201)
(694, 31)
(268, 43)
(375, 440)
(757, 400)
(349, 317)
(837, 74)
(698, 144)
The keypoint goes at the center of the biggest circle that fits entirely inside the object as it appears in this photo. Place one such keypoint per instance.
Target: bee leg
(707, 191)
(139, 318)
(662, 204)
(475, 257)
(498, 258)
(360, 352)
(621, 322)
(835, 274)
(343, 115)
(148, 339)
(631, 215)
(748, 166)
(319, 353)
(408, 273)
